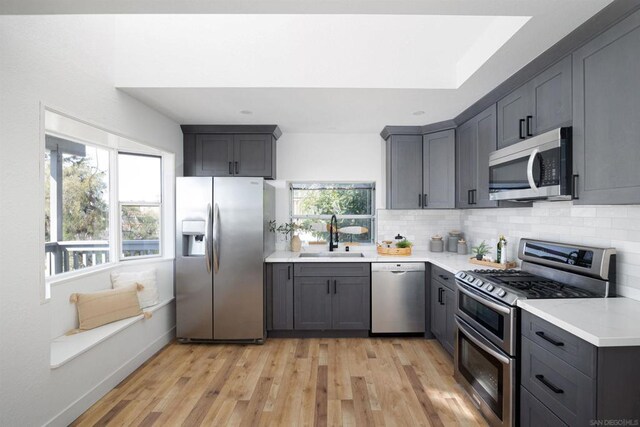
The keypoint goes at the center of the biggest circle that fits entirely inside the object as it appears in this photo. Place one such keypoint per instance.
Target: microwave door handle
(532, 158)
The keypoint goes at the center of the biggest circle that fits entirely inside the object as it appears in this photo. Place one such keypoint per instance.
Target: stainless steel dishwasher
(397, 297)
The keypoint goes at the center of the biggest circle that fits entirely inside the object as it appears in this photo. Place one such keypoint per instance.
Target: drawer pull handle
(443, 277)
(551, 340)
(550, 386)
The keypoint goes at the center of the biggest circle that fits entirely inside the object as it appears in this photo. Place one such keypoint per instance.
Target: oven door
(530, 170)
(487, 374)
(495, 321)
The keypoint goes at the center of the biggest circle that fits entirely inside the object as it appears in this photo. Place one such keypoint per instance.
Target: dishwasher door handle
(399, 272)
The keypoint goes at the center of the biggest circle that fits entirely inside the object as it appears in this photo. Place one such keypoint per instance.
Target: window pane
(76, 206)
(327, 199)
(139, 178)
(140, 230)
(349, 230)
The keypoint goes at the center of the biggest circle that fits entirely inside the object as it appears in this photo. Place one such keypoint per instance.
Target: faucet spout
(333, 228)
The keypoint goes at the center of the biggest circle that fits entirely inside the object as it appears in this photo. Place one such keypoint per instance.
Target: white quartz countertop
(448, 260)
(603, 322)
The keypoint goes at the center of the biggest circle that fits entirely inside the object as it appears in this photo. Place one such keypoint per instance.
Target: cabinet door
(535, 414)
(439, 176)
(253, 155)
(312, 302)
(606, 123)
(404, 172)
(511, 110)
(214, 155)
(437, 310)
(351, 303)
(466, 163)
(448, 340)
(551, 98)
(486, 134)
(281, 297)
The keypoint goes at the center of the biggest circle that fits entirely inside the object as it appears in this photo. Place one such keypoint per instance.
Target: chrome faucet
(334, 220)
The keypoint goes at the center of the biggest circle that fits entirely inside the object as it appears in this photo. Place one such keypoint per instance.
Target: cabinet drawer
(573, 350)
(534, 414)
(443, 276)
(342, 269)
(563, 389)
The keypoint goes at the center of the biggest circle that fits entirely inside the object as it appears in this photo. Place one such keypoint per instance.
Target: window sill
(68, 347)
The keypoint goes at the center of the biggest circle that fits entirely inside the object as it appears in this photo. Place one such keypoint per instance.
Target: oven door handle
(532, 158)
(484, 301)
(501, 357)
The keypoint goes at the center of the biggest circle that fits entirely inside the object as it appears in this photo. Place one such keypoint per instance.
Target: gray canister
(462, 247)
(436, 245)
(452, 241)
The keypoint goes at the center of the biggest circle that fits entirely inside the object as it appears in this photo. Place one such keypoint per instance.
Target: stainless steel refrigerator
(222, 238)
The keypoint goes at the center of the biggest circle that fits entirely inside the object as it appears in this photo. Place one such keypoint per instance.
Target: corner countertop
(603, 322)
(447, 260)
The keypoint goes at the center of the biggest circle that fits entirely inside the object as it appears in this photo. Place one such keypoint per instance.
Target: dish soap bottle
(502, 250)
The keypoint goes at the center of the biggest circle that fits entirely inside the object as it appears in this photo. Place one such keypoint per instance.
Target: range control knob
(490, 287)
(461, 275)
(479, 283)
(501, 293)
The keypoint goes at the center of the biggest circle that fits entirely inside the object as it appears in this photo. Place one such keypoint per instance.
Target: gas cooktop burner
(511, 285)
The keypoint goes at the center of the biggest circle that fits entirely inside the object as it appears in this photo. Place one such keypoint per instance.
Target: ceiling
(318, 65)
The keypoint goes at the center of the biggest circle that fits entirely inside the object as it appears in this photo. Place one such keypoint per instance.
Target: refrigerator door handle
(207, 238)
(216, 238)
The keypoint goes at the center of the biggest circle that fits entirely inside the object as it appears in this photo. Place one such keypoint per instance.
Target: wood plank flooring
(291, 382)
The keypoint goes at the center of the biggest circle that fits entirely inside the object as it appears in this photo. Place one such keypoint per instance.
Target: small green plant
(404, 243)
(481, 250)
(287, 228)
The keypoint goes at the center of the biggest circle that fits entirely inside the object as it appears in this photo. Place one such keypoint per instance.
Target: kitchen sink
(332, 255)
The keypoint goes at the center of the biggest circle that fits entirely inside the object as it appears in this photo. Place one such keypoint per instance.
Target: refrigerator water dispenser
(193, 237)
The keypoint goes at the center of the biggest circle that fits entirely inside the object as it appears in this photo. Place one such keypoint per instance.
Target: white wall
(336, 157)
(66, 63)
(600, 226)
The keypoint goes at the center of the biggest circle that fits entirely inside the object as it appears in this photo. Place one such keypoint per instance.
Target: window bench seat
(67, 347)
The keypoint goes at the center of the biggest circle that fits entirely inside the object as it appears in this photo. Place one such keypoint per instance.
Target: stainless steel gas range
(487, 318)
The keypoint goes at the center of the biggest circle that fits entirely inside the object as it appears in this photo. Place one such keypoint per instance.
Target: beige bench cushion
(102, 307)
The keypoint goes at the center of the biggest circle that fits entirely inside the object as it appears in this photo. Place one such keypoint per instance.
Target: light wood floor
(291, 382)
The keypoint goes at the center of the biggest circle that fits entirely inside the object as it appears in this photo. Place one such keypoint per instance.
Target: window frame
(64, 126)
(160, 205)
(372, 216)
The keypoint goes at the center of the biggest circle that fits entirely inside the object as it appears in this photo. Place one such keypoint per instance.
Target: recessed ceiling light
(246, 112)
(418, 113)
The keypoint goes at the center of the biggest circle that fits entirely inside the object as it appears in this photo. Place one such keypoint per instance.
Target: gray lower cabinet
(567, 381)
(312, 302)
(542, 104)
(606, 124)
(443, 307)
(475, 140)
(439, 175)
(332, 296)
(404, 172)
(280, 296)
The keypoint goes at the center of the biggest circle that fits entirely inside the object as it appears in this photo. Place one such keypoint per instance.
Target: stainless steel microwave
(536, 168)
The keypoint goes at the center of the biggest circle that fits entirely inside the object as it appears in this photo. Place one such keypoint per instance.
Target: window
(312, 205)
(76, 205)
(140, 194)
(103, 197)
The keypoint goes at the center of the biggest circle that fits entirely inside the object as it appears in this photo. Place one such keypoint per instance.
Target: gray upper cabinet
(439, 175)
(421, 171)
(230, 150)
(476, 139)
(213, 155)
(404, 172)
(254, 155)
(544, 103)
(606, 123)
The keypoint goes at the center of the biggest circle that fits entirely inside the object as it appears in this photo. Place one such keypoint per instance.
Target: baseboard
(348, 333)
(77, 408)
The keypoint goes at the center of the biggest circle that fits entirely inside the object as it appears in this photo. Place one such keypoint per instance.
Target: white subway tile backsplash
(603, 226)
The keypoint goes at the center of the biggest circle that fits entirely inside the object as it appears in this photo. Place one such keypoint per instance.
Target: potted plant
(481, 250)
(404, 243)
(287, 229)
